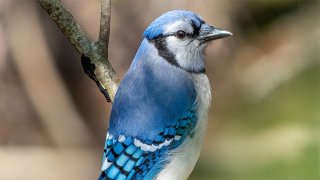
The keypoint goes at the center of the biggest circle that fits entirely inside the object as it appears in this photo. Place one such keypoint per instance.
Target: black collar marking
(163, 51)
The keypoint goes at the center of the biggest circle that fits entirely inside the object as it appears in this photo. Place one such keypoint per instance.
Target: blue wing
(124, 158)
(153, 112)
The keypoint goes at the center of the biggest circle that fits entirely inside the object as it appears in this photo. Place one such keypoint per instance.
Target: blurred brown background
(264, 120)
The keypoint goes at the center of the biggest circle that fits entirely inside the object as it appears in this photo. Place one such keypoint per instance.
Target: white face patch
(188, 54)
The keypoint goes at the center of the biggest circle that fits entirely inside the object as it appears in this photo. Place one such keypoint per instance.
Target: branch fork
(94, 55)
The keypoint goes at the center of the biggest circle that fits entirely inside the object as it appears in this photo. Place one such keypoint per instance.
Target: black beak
(209, 33)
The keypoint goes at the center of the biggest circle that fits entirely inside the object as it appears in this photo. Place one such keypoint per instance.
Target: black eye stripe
(196, 29)
(190, 35)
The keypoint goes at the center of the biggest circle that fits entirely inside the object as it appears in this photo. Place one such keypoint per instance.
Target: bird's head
(181, 37)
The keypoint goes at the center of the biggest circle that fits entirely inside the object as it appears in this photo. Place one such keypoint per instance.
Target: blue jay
(160, 111)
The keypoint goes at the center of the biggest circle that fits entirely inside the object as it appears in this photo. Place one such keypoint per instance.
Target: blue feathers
(127, 157)
(122, 158)
(156, 28)
(152, 96)
(157, 105)
(154, 108)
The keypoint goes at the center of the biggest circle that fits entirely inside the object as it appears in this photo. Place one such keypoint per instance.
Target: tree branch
(105, 24)
(94, 57)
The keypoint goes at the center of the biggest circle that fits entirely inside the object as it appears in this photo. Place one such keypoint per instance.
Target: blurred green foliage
(295, 101)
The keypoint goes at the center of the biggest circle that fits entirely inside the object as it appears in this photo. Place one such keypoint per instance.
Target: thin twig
(105, 24)
(94, 55)
(67, 25)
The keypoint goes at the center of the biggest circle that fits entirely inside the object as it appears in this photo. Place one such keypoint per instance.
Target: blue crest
(156, 28)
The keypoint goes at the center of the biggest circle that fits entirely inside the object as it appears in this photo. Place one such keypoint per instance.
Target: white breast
(183, 159)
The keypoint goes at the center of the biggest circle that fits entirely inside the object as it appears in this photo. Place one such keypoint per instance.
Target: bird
(159, 115)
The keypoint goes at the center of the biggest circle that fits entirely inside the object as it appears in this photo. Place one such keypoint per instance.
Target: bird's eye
(181, 34)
